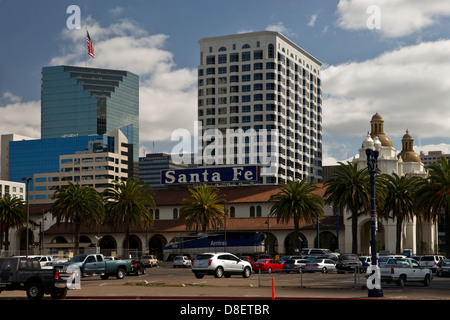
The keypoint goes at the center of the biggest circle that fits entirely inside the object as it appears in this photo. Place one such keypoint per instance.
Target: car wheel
(269, 270)
(199, 275)
(35, 291)
(246, 273)
(324, 270)
(401, 281)
(57, 293)
(218, 273)
(427, 281)
(120, 273)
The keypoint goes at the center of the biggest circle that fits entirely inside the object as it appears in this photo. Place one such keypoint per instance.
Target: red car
(268, 265)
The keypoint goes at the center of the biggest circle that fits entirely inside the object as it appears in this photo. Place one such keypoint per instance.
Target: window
(222, 58)
(175, 213)
(246, 56)
(271, 51)
(210, 60)
(258, 54)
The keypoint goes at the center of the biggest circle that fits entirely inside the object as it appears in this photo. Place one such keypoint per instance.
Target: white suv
(430, 261)
(220, 264)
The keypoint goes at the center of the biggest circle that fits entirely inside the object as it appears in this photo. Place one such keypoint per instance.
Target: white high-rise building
(264, 81)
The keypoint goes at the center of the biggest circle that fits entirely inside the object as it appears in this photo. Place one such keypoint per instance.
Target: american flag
(90, 46)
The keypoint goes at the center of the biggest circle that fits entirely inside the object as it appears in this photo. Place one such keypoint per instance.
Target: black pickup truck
(18, 273)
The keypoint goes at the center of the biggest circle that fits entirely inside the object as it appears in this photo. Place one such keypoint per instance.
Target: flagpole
(85, 51)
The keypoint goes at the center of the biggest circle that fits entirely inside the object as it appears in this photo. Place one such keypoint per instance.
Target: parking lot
(165, 282)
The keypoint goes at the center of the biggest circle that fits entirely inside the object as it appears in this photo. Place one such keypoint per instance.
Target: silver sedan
(322, 265)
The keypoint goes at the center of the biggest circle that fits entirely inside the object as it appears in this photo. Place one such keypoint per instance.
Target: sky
(390, 57)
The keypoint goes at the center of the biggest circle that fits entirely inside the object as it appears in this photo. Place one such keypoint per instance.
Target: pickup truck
(90, 264)
(26, 274)
(149, 261)
(402, 270)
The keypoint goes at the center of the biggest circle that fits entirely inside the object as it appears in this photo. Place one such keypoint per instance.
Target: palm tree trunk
(399, 235)
(297, 232)
(447, 232)
(354, 232)
(77, 238)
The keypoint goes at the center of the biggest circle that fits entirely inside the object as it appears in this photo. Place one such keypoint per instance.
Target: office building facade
(95, 160)
(263, 81)
(77, 101)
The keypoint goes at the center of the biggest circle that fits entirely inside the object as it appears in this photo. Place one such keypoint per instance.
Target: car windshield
(446, 263)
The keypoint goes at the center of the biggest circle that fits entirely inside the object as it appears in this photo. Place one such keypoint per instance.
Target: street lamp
(27, 180)
(373, 147)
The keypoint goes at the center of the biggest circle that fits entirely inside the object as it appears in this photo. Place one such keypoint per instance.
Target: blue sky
(400, 68)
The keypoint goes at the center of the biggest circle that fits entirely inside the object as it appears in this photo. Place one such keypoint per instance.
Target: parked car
(319, 253)
(267, 265)
(248, 258)
(27, 275)
(348, 262)
(366, 261)
(322, 265)
(443, 268)
(219, 265)
(402, 270)
(181, 262)
(137, 267)
(384, 259)
(294, 265)
(431, 261)
(149, 261)
(283, 259)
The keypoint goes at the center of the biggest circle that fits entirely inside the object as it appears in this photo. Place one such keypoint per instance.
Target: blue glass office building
(29, 157)
(77, 101)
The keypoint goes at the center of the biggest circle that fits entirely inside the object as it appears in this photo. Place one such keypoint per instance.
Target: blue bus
(236, 242)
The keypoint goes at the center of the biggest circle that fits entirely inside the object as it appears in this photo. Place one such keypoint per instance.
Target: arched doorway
(135, 247)
(23, 241)
(289, 244)
(365, 236)
(156, 245)
(271, 244)
(107, 245)
(327, 240)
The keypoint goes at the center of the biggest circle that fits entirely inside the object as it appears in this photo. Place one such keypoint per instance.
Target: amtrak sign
(209, 175)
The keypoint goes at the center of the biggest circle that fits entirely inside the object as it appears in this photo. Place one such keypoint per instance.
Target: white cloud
(19, 117)
(279, 27)
(312, 21)
(398, 17)
(168, 94)
(409, 87)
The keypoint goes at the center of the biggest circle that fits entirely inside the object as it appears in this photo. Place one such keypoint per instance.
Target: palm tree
(77, 204)
(12, 214)
(296, 200)
(400, 201)
(433, 195)
(349, 188)
(204, 208)
(130, 203)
